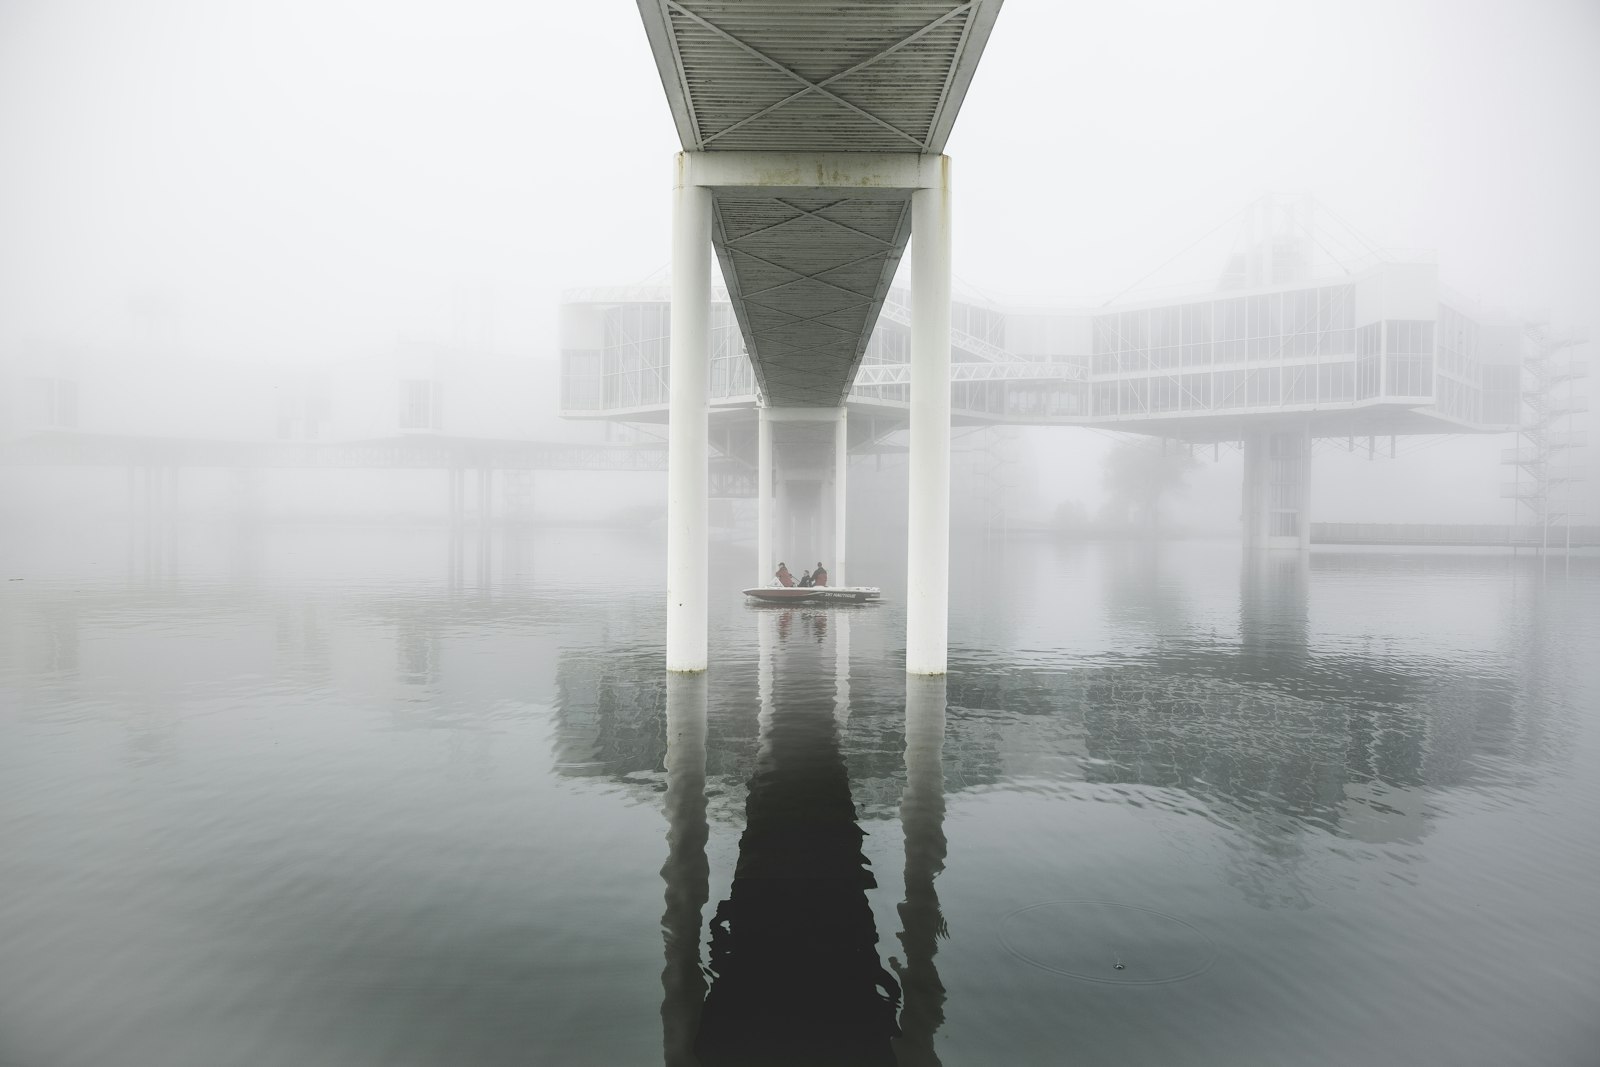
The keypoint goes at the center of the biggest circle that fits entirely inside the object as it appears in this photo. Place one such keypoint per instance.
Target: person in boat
(785, 579)
(820, 575)
(805, 580)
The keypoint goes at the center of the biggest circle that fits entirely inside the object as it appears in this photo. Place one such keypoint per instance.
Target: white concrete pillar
(766, 565)
(1276, 497)
(928, 520)
(1253, 488)
(782, 522)
(841, 466)
(688, 444)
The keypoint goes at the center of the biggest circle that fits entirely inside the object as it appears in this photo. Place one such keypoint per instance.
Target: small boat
(778, 594)
(782, 594)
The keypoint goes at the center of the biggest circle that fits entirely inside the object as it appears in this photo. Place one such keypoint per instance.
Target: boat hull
(777, 594)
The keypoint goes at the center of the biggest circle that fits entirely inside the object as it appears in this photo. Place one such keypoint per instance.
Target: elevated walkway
(1473, 535)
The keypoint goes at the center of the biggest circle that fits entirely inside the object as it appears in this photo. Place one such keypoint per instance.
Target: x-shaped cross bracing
(807, 85)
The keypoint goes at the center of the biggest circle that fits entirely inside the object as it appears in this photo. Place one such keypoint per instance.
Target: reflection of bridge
(1263, 719)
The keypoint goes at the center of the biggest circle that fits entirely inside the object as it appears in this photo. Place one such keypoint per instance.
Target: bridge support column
(782, 516)
(765, 564)
(688, 439)
(1277, 488)
(928, 525)
(841, 465)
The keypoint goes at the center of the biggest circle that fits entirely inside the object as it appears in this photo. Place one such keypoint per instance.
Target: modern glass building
(1272, 359)
(1385, 351)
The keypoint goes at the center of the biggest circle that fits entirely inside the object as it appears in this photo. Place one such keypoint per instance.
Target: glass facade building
(1385, 344)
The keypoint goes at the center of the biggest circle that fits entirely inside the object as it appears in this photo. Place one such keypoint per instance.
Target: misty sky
(311, 179)
(314, 174)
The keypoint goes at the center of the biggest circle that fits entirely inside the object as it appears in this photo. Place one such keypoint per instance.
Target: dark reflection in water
(796, 977)
(1265, 730)
(922, 924)
(686, 871)
(1270, 730)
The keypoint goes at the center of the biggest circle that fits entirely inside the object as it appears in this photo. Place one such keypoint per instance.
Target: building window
(1369, 360)
(1409, 357)
(53, 403)
(420, 407)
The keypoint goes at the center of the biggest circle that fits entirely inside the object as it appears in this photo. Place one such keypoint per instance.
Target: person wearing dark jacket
(819, 576)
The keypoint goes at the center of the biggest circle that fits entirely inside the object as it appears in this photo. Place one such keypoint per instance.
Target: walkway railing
(1447, 535)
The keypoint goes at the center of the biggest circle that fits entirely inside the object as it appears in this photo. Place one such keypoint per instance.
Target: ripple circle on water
(1103, 941)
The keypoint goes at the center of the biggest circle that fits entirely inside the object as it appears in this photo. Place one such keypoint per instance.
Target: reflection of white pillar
(765, 564)
(767, 653)
(921, 921)
(928, 521)
(688, 445)
(686, 871)
(841, 667)
(841, 465)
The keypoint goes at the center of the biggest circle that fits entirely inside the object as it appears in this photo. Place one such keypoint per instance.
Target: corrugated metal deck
(808, 270)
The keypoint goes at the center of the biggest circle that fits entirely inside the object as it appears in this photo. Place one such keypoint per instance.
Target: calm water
(341, 797)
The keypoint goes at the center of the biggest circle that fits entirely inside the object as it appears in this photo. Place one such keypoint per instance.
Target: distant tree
(1139, 472)
(1071, 515)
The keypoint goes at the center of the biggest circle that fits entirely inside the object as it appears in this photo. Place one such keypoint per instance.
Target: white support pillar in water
(765, 564)
(1277, 488)
(688, 443)
(841, 466)
(928, 520)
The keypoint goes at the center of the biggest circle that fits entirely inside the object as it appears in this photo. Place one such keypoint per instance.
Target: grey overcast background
(307, 180)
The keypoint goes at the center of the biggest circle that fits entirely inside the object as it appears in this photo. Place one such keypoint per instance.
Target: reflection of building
(1259, 728)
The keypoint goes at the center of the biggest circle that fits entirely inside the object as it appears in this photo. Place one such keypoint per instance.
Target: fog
(214, 199)
(361, 704)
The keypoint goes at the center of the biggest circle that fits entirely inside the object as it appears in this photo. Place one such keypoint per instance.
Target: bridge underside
(808, 273)
(808, 240)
